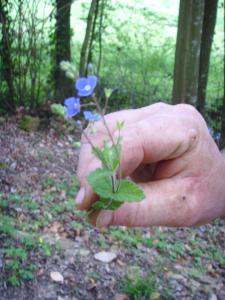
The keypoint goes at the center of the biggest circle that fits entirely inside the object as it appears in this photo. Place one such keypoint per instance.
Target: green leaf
(114, 205)
(112, 155)
(99, 154)
(100, 182)
(106, 204)
(120, 125)
(109, 156)
(98, 205)
(128, 191)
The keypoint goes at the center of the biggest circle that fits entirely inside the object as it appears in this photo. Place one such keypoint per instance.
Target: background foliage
(132, 49)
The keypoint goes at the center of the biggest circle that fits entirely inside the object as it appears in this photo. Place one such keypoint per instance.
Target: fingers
(154, 139)
(167, 203)
(88, 163)
(148, 137)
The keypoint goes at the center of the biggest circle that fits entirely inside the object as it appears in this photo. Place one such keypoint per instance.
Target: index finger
(87, 162)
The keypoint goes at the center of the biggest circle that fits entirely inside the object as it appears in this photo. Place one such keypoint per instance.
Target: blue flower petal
(71, 112)
(85, 86)
(93, 81)
(91, 116)
(80, 83)
(69, 101)
(73, 106)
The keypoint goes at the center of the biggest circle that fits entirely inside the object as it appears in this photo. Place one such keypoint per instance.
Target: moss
(28, 123)
(3, 166)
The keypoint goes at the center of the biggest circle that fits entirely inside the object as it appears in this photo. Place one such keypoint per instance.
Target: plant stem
(88, 104)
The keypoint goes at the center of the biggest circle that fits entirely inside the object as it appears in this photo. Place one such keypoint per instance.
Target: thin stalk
(105, 106)
(88, 104)
(111, 138)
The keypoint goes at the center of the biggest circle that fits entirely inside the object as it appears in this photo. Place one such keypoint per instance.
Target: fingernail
(104, 218)
(80, 196)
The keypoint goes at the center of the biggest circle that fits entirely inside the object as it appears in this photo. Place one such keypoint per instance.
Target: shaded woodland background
(144, 55)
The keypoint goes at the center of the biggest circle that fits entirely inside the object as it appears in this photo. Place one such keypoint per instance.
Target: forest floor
(49, 251)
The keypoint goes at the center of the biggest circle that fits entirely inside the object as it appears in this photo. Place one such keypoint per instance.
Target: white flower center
(87, 87)
(76, 106)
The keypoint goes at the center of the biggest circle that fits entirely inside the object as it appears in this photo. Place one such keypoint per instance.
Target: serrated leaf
(100, 182)
(128, 191)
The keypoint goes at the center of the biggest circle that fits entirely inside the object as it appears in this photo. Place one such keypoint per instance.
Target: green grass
(196, 252)
(139, 287)
(20, 241)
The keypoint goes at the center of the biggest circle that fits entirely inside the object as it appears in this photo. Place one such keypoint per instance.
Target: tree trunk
(187, 57)
(102, 8)
(222, 132)
(209, 22)
(92, 38)
(6, 72)
(63, 85)
(89, 34)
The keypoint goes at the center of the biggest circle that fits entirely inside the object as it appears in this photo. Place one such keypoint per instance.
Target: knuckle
(186, 107)
(161, 105)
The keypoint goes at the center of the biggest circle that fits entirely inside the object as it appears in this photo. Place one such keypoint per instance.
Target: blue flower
(91, 116)
(86, 85)
(73, 106)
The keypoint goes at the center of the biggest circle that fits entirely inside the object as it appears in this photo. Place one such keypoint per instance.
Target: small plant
(139, 287)
(19, 242)
(17, 266)
(105, 181)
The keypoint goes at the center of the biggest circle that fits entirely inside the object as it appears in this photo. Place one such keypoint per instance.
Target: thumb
(168, 202)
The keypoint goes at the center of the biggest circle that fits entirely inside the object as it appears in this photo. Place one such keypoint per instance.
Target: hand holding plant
(168, 151)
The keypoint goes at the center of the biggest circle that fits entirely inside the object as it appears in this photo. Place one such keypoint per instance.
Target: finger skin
(169, 152)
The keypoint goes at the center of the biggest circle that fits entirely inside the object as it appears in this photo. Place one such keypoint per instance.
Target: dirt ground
(185, 263)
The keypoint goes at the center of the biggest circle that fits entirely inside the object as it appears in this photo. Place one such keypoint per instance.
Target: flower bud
(64, 65)
(70, 75)
(108, 92)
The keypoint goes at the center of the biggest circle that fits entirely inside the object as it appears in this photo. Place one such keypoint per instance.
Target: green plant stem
(93, 146)
(110, 136)
(88, 104)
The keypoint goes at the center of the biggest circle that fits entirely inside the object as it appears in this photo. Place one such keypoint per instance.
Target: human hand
(169, 152)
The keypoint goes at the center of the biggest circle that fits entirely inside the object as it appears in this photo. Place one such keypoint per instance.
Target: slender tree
(86, 49)
(100, 32)
(186, 70)
(63, 86)
(6, 70)
(222, 137)
(209, 22)
(92, 37)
